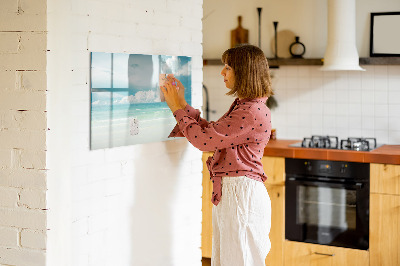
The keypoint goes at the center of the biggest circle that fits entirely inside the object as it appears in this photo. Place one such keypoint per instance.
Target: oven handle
(324, 254)
(357, 185)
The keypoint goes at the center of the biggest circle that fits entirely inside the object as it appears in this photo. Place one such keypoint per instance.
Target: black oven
(327, 202)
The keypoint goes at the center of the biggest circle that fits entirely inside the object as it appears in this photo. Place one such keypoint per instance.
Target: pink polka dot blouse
(238, 139)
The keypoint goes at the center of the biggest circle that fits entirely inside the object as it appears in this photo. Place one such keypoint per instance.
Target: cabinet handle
(324, 254)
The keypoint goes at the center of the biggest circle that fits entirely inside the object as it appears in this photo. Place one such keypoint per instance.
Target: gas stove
(332, 142)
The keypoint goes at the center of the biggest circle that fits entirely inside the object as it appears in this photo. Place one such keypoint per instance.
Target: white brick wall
(23, 132)
(134, 205)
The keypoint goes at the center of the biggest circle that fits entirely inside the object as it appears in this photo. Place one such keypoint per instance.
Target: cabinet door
(206, 226)
(277, 233)
(304, 254)
(274, 168)
(385, 178)
(384, 230)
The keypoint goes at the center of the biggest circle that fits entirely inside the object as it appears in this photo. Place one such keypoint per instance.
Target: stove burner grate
(332, 142)
(358, 144)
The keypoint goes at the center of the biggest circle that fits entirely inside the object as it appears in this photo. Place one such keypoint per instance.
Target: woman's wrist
(183, 104)
(177, 107)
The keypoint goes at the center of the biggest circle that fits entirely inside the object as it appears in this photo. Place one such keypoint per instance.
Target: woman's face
(229, 76)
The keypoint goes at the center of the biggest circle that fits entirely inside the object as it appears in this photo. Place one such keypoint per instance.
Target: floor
(206, 261)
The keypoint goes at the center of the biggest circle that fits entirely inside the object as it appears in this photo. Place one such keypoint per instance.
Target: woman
(242, 208)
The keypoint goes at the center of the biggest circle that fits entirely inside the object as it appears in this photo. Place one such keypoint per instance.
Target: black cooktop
(332, 142)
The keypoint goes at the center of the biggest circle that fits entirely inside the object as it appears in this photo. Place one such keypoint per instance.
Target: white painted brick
(9, 42)
(33, 199)
(7, 80)
(13, 119)
(81, 78)
(34, 140)
(79, 175)
(176, 7)
(103, 42)
(31, 159)
(36, 7)
(98, 222)
(8, 197)
(79, 7)
(17, 256)
(8, 6)
(150, 5)
(81, 63)
(32, 43)
(196, 38)
(179, 36)
(33, 239)
(23, 100)
(197, 76)
(163, 46)
(28, 61)
(23, 178)
(191, 48)
(197, 166)
(114, 186)
(97, 172)
(30, 80)
(8, 237)
(5, 158)
(113, 170)
(196, 10)
(15, 158)
(142, 46)
(80, 227)
(168, 19)
(20, 217)
(190, 22)
(23, 22)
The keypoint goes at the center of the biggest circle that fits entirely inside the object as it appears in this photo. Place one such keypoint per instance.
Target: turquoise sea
(111, 124)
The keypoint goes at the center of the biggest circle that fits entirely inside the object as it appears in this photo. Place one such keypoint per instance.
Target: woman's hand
(181, 92)
(171, 90)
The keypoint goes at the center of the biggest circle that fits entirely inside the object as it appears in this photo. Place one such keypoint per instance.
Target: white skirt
(241, 223)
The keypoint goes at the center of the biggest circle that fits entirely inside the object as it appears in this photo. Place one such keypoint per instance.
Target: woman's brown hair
(250, 66)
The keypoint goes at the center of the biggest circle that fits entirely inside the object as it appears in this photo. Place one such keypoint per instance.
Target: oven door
(327, 213)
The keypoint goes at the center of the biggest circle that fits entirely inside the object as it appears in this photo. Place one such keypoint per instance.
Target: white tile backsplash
(345, 103)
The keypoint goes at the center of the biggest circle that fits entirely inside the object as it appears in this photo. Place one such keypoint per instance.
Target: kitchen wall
(342, 103)
(134, 205)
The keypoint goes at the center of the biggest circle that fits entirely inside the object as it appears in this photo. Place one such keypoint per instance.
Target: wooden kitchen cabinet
(274, 168)
(385, 215)
(385, 178)
(277, 233)
(305, 254)
(206, 225)
(384, 236)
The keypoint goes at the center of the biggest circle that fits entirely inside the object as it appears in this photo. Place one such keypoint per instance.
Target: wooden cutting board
(239, 35)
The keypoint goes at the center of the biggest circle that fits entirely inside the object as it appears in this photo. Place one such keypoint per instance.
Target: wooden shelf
(380, 61)
(273, 63)
(294, 62)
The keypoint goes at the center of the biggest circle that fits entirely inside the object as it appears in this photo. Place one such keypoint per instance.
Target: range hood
(341, 51)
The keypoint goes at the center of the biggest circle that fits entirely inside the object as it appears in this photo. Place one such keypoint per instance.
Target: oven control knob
(343, 168)
(308, 166)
